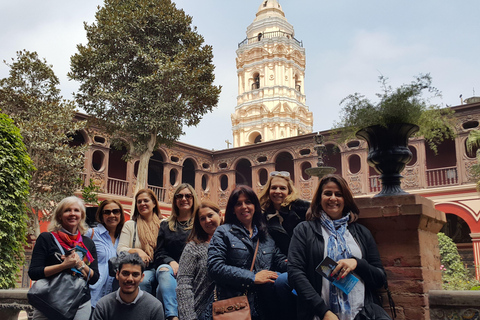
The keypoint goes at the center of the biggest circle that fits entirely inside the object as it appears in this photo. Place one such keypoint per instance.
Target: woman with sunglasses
(172, 238)
(195, 288)
(105, 236)
(284, 210)
(139, 235)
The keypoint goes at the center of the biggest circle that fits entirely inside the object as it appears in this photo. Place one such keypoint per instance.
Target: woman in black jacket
(231, 252)
(284, 210)
(331, 230)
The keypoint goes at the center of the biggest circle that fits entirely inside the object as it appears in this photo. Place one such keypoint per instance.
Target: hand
(265, 276)
(71, 260)
(143, 256)
(344, 267)
(329, 315)
(174, 266)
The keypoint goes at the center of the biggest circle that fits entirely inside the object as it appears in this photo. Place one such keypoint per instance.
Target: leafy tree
(15, 172)
(145, 73)
(31, 97)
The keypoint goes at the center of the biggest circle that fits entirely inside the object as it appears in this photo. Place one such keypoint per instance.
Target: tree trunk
(142, 176)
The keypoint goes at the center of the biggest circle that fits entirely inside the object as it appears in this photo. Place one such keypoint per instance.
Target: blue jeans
(149, 282)
(167, 283)
(286, 299)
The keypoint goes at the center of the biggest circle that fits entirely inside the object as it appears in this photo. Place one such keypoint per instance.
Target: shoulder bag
(58, 296)
(236, 308)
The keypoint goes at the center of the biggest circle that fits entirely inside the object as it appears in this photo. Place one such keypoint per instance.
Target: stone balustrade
(446, 304)
(12, 301)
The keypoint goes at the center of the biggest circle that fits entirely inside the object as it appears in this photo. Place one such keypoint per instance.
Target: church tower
(271, 72)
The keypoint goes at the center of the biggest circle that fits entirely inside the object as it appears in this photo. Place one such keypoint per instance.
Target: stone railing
(12, 301)
(446, 304)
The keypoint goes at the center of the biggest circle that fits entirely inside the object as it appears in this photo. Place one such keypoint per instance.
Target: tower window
(256, 81)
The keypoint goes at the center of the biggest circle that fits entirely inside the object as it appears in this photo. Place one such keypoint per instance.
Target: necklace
(183, 223)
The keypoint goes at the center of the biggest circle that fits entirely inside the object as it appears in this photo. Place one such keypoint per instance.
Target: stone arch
(79, 138)
(466, 213)
(155, 169)
(254, 137)
(189, 167)
(243, 172)
(284, 162)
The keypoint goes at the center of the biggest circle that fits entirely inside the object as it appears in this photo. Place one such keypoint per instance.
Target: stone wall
(459, 305)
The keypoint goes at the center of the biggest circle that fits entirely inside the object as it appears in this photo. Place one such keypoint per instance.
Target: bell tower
(270, 70)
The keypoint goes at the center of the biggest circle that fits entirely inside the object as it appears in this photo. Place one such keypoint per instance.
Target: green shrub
(454, 274)
(15, 169)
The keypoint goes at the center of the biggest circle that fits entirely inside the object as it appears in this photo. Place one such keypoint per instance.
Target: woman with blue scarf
(331, 230)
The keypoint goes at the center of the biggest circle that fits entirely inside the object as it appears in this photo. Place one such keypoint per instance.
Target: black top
(44, 255)
(292, 215)
(170, 244)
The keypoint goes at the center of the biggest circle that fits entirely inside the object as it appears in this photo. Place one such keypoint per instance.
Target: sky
(348, 44)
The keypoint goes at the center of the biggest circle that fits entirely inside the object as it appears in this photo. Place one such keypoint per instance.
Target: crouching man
(129, 302)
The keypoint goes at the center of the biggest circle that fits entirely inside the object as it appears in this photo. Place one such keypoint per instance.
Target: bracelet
(83, 266)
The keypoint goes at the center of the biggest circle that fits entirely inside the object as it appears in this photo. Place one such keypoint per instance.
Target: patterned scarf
(337, 249)
(69, 241)
(148, 233)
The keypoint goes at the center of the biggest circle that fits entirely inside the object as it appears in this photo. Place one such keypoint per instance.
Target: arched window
(243, 173)
(284, 162)
(188, 172)
(256, 81)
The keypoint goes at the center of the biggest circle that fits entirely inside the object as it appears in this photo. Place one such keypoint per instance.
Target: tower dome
(271, 71)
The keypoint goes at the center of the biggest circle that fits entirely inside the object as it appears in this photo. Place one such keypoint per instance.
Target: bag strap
(134, 235)
(215, 298)
(255, 255)
(93, 232)
(390, 300)
(58, 244)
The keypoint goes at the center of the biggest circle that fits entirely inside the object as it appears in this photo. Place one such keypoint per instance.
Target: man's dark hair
(130, 258)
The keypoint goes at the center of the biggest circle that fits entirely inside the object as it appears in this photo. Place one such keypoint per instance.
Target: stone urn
(388, 153)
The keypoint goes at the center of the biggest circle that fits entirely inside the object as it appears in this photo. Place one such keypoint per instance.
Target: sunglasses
(180, 196)
(280, 173)
(114, 211)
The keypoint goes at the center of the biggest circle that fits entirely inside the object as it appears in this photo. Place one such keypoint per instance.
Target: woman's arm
(298, 257)
(370, 267)
(218, 269)
(161, 255)
(186, 273)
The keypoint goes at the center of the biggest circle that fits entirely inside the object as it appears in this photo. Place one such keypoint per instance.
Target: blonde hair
(56, 220)
(264, 195)
(172, 219)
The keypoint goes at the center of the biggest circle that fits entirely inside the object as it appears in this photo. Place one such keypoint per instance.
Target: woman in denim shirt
(105, 236)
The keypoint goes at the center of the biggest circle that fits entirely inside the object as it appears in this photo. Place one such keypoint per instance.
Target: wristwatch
(81, 268)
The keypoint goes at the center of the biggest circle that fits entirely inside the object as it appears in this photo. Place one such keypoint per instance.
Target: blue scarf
(337, 249)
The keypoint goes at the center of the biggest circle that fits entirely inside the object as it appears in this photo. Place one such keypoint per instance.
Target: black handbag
(58, 297)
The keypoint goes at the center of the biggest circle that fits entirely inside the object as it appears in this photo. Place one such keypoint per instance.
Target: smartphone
(69, 252)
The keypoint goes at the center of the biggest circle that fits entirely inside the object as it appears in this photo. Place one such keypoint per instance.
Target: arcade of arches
(442, 177)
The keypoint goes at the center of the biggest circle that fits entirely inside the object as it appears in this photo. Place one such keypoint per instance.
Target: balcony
(117, 187)
(442, 177)
(269, 35)
(160, 192)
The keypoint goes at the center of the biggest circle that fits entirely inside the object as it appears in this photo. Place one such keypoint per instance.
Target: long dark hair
(258, 217)
(198, 235)
(99, 215)
(349, 203)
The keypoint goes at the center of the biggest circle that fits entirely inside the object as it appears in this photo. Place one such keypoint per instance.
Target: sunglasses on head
(180, 196)
(114, 211)
(280, 173)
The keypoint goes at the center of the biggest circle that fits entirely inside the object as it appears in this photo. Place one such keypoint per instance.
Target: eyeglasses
(180, 196)
(280, 173)
(114, 211)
